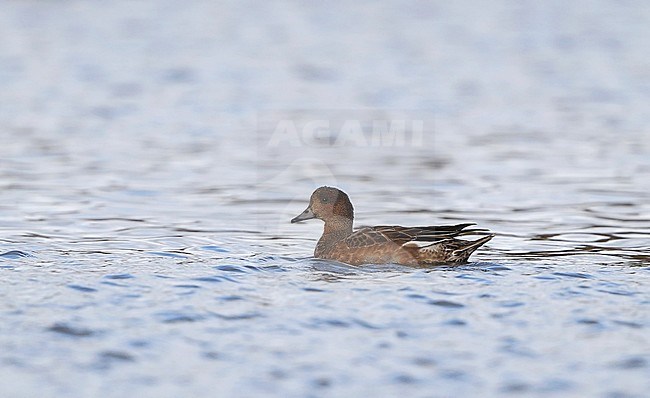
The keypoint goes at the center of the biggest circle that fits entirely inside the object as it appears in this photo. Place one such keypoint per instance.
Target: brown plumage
(383, 244)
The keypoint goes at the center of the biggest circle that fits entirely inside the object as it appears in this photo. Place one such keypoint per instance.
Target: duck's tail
(445, 251)
(462, 253)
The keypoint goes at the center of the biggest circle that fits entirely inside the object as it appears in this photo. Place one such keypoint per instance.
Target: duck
(384, 244)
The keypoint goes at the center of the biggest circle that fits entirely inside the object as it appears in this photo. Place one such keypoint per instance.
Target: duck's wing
(398, 235)
(403, 235)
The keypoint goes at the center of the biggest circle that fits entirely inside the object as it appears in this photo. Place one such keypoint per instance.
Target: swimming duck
(383, 244)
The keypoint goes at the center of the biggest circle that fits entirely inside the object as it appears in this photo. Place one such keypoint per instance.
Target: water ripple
(73, 331)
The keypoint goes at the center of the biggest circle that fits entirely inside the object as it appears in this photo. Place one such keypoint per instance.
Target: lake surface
(153, 154)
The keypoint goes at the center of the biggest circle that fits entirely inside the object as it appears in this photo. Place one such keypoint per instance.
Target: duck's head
(327, 203)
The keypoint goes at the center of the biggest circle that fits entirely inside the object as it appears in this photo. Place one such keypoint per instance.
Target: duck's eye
(325, 200)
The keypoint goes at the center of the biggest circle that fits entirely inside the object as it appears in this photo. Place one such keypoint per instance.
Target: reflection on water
(145, 243)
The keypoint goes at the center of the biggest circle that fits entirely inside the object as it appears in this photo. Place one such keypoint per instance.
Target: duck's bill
(305, 215)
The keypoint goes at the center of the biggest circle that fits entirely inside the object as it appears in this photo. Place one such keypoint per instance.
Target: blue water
(147, 183)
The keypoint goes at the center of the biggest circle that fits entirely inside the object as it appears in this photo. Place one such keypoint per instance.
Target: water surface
(145, 244)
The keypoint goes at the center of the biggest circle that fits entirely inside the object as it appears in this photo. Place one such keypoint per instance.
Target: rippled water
(145, 244)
